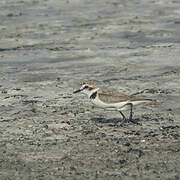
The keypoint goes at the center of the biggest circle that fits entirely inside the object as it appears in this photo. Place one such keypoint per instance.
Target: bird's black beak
(77, 91)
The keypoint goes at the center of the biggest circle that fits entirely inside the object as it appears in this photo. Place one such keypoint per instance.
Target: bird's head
(87, 88)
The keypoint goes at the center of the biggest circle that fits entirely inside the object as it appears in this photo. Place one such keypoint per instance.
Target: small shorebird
(111, 100)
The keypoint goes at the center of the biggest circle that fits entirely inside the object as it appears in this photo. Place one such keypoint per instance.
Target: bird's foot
(130, 120)
(134, 121)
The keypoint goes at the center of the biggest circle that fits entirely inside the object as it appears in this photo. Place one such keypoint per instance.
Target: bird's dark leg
(130, 116)
(131, 112)
(124, 117)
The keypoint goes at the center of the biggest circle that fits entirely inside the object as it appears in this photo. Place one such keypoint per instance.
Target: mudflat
(47, 48)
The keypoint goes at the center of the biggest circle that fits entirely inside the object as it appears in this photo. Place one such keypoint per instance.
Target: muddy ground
(47, 48)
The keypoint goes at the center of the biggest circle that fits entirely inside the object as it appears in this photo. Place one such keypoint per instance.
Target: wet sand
(47, 48)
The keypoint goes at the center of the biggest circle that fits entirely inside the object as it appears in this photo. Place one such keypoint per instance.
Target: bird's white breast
(102, 104)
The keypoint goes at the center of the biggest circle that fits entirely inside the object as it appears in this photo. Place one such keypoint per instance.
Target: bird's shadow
(104, 120)
(114, 120)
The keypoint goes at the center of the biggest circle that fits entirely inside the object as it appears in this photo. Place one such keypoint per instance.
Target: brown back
(115, 97)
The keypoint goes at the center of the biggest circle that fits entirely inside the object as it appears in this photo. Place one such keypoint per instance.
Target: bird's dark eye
(85, 87)
(83, 83)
